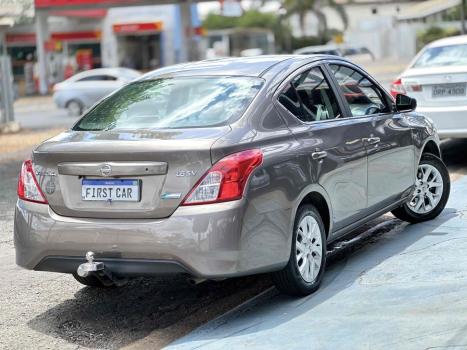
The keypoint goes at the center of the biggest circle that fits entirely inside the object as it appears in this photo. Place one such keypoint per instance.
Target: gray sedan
(227, 168)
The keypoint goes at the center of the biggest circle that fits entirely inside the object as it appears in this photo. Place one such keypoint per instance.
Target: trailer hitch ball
(89, 267)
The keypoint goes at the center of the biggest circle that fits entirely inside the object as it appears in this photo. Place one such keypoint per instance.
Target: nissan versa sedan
(437, 78)
(226, 168)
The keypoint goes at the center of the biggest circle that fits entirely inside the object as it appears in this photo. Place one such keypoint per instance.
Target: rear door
(391, 154)
(331, 142)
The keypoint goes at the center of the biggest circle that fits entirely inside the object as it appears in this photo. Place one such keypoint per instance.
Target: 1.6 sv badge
(184, 173)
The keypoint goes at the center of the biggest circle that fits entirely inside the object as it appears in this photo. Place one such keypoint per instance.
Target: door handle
(372, 140)
(319, 155)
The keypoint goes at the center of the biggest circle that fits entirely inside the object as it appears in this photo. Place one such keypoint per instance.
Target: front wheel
(304, 271)
(432, 188)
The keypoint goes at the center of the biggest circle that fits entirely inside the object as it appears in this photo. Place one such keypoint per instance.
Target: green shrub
(432, 34)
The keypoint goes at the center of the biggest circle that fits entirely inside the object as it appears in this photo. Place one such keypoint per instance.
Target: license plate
(448, 90)
(110, 190)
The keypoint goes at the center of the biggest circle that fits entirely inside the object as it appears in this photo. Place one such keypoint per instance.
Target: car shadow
(348, 261)
(113, 318)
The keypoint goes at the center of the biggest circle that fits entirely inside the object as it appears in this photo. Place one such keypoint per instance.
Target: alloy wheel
(308, 248)
(428, 189)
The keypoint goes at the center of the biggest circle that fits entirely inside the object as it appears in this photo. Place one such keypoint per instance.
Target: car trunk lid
(162, 165)
(437, 86)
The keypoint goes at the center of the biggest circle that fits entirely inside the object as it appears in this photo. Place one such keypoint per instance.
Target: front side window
(310, 98)
(183, 102)
(363, 97)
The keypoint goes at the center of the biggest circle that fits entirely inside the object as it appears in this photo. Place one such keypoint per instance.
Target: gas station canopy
(69, 8)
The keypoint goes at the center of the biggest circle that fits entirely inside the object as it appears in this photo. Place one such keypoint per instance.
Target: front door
(332, 144)
(391, 163)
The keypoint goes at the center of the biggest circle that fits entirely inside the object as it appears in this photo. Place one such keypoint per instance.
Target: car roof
(234, 66)
(317, 48)
(452, 40)
(117, 71)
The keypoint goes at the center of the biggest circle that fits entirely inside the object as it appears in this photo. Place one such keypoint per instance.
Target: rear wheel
(75, 108)
(305, 269)
(432, 188)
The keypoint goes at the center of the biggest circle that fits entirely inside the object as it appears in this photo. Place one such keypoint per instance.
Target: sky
(214, 6)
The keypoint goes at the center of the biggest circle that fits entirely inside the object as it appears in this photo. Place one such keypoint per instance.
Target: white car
(437, 79)
(84, 89)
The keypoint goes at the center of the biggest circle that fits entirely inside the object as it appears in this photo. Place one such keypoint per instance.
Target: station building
(92, 34)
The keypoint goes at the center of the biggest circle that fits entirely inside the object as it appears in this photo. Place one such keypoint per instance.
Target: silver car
(83, 90)
(227, 168)
(437, 78)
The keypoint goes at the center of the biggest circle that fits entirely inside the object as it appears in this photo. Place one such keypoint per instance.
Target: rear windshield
(452, 55)
(183, 102)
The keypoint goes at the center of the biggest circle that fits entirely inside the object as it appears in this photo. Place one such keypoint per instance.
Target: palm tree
(303, 7)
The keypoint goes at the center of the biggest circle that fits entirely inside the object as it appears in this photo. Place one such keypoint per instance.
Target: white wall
(163, 13)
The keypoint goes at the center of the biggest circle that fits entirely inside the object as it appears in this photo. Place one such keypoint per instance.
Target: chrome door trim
(105, 169)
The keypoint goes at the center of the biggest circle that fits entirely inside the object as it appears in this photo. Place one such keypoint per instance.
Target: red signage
(30, 38)
(138, 27)
(84, 3)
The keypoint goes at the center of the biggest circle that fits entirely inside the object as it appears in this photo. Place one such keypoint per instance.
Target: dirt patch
(11, 145)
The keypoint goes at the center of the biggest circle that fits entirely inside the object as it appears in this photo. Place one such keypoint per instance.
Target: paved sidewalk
(404, 289)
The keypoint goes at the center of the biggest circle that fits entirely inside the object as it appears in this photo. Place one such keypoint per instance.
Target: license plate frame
(449, 90)
(111, 190)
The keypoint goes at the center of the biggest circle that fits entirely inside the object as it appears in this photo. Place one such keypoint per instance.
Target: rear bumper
(121, 267)
(449, 121)
(203, 241)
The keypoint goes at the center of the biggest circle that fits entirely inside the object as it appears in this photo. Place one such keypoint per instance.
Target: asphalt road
(37, 113)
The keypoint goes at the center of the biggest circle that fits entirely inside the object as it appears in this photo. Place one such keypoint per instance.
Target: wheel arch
(318, 197)
(431, 147)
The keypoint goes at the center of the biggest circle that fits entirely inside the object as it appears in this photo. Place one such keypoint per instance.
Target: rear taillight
(397, 88)
(28, 188)
(226, 180)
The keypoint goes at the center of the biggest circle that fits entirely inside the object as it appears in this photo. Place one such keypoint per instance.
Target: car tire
(293, 279)
(91, 281)
(75, 108)
(439, 189)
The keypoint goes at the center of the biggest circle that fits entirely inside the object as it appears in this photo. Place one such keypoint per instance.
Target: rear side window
(310, 98)
(363, 97)
(183, 102)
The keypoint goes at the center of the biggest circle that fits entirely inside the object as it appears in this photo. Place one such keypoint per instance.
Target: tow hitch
(97, 269)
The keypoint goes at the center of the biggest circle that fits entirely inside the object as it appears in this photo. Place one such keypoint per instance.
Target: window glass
(289, 99)
(441, 56)
(363, 97)
(98, 78)
(182, 102)
(310, 98)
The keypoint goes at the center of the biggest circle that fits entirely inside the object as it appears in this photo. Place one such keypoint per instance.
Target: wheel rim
(309, 248)
(74, 108)
(428, 189)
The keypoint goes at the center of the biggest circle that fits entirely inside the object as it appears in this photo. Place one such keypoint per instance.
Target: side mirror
(405, 103)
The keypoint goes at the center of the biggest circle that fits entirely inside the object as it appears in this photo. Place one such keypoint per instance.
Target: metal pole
(6, 95)
(41, 38)
(463, 30)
